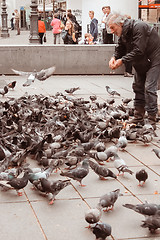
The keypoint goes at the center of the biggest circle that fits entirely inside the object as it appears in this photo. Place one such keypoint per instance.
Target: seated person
(88, 39)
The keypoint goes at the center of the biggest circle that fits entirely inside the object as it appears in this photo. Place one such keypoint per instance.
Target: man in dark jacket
(93, 26)
(138, 43)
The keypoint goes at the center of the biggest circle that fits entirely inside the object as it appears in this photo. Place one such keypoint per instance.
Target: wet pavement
(31, 217)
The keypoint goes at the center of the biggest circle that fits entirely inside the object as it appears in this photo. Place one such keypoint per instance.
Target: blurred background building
(147, 10)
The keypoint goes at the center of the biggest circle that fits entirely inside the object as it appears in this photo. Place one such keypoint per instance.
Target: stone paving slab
(63, 220)
(18, 222)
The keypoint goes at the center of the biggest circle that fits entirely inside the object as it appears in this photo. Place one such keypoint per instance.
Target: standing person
(56, 24)
(73, 16)
(41, 29)
(69, 34)
(109, 35)
(12, 22)
(17, 18)
(138, 43)
(103, 25)
(77, 27)
(93, 26)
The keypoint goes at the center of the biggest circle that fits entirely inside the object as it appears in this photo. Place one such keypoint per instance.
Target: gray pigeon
(101, 230)
(93, 215)
(29, 81)
(101, 171)
(152, 222)
(108, 200)
(146, 209)
(122, 141)
(45, 186)
(19, 183)
(4, 90)
(41, 75)
(33, 176)
(157, 152)
(72, 90)
(78, 173)
(111, 91)
(120, 165)
(110, 151)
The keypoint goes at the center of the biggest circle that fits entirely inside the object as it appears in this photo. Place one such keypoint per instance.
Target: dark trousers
(41, 38)
(128, 67)
(107, 37)
(104, 36)
(145, 87)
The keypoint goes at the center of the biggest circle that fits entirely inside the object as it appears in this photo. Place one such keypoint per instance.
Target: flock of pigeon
(63, 131)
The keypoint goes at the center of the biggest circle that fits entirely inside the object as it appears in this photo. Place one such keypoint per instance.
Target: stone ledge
(69, 59)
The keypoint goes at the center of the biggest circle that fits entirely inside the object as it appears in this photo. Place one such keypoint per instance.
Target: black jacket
(94, 28)
(67, 38)
(139, 44)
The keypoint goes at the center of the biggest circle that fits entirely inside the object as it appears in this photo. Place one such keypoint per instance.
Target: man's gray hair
(116, 18)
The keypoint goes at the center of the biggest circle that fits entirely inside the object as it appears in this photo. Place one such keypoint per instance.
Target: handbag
(45, 39)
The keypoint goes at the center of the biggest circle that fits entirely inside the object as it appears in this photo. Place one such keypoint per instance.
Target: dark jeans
(104, 35)
(41, 38)
(128, 67)
(107, 37)
(145, 87)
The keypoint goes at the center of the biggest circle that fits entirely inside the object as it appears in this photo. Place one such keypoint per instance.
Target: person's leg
(151, 86)
(55, 36)
(128, 69)
(58, 38)
(18, 28)
(41, 38)
(139, 100)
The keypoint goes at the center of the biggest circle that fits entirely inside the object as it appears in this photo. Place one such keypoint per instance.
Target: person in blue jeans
(138, 43)
(93, 26)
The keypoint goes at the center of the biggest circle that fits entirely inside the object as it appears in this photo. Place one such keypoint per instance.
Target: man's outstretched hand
(113, 64)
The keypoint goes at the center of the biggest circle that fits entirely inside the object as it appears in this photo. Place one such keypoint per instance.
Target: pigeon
(126, 100)
(110, 101)
(41, 75)
(93, 215)
(33, 176)
(12, 85)
(108, 200)
(110, 151)
(29, 81)
(101, 171)
(72, 90)
(122, 140)
(101, 230)
(120, 164)
(152, 222)
(93, 98)
(146, 209)
(141, 175)
(111, 91)
(45, 186)
(157, 152)
(19, 183)
(4, 91)
(78, 173)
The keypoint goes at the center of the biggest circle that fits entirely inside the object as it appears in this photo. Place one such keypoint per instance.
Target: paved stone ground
(23, 38)
(31, 217)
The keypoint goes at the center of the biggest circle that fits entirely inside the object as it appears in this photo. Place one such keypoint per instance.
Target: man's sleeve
(139, 41)
(120, 49)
